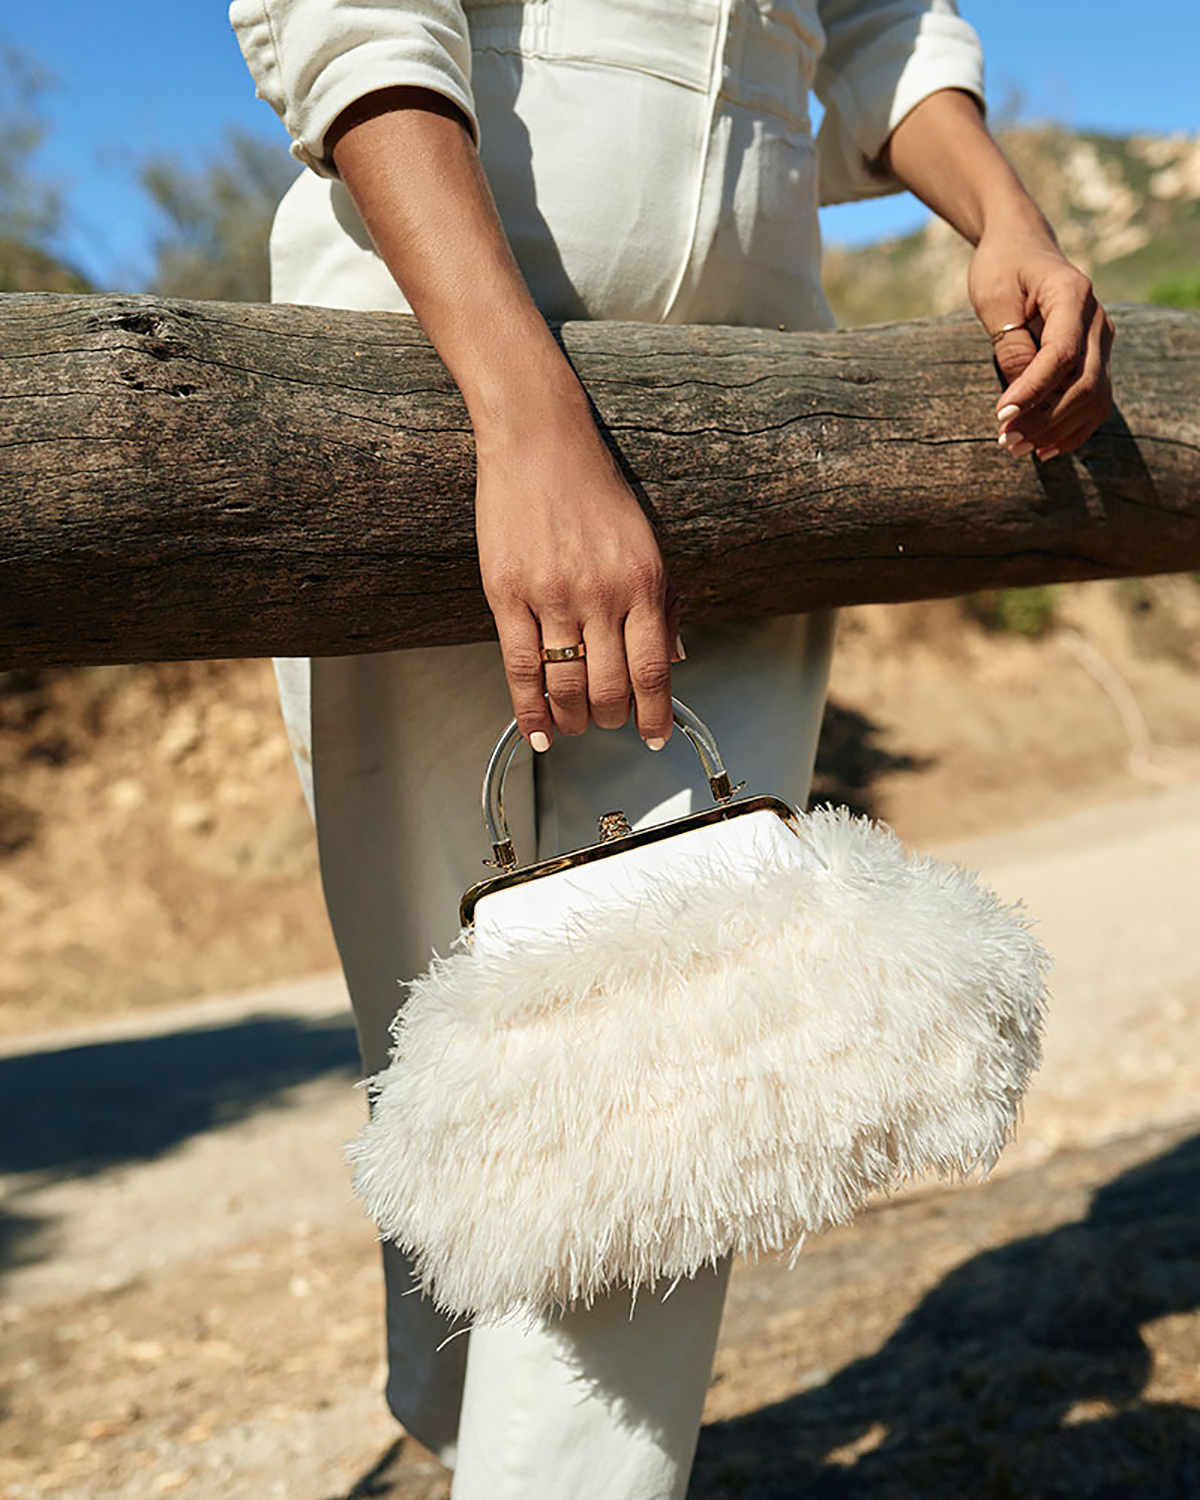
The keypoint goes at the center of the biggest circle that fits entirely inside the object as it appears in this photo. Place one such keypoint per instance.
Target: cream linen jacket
(869, 61)
(653, 160)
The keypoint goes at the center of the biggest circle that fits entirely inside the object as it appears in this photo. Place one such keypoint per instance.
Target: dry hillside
(1126, 209)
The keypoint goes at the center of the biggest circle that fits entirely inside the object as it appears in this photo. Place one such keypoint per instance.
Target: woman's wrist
(1010, 212)
(533, 397)
(943, 153)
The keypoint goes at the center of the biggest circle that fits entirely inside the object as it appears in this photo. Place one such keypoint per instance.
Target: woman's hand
(1056, 365)
(567, 554)
(1057, 362)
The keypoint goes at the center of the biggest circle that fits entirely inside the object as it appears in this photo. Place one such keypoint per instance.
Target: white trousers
(599, 1404)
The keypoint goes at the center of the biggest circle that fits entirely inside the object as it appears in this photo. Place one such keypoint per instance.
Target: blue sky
(149, 76)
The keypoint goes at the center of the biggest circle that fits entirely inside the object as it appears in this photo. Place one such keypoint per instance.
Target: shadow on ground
(76, 1111)
(1019, 1377)
(849, 760)
(82, 1109)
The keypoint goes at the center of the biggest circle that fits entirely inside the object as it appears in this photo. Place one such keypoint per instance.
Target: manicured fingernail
(1019, 450)
(680, 653)
(1045, 454)
(1010, 439)
(655, 744)
(1007, 413)
(539, 741)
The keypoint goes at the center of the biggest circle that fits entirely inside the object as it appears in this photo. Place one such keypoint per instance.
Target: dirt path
(191, 1304)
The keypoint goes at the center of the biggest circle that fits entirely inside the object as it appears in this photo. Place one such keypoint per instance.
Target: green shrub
(1180, 290)
(1028, 612)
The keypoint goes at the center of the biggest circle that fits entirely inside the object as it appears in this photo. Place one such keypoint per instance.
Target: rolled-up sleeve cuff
(915, 57)
(311, 61)
(367, 69)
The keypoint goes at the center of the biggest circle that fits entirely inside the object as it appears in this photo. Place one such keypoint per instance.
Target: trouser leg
(592, 1405)
(391, 750)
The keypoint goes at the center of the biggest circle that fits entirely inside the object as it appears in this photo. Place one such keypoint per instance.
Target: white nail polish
(1046, 454)
(539, 741)
(1007, 413)
(679, 651)
(655, 743)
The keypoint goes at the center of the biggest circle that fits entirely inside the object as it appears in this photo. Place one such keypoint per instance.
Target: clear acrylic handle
(506, 747)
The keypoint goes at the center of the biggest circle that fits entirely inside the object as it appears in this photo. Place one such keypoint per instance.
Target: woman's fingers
(624, 662)
(1056, 364)
(1082, 405)
(567, 555)
(619, 666)
(607, 674)
(566, 681)
(1015, 349)
(1089, 402)
(521, 648)
(648, 650)
(1066, 304)
(1066, 444)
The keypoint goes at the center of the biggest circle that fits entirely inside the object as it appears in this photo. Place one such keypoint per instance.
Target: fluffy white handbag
(720, 1033)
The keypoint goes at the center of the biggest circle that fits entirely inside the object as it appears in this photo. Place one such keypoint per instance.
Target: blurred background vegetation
(214, 218)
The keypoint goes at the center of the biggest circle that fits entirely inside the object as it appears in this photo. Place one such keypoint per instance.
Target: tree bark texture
(189, 479)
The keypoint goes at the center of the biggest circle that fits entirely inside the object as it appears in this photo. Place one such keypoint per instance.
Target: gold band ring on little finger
(577, 652)
(1002, 333)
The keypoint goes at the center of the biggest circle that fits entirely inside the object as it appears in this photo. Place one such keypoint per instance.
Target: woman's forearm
(407, 157)
(566, 553)
(942, 152)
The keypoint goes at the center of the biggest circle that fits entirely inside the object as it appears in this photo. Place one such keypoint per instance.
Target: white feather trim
(724, 1067)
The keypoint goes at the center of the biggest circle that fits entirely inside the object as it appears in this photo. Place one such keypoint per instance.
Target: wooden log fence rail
(187, 479)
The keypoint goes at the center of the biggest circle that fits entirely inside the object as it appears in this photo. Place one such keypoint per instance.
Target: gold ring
(1008, 328)
(564, 653)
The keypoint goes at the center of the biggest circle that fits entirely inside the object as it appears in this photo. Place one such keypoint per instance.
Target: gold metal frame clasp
(612, 825)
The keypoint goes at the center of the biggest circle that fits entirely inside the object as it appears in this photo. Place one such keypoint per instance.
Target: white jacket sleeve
(882, 57)
(310, 59)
